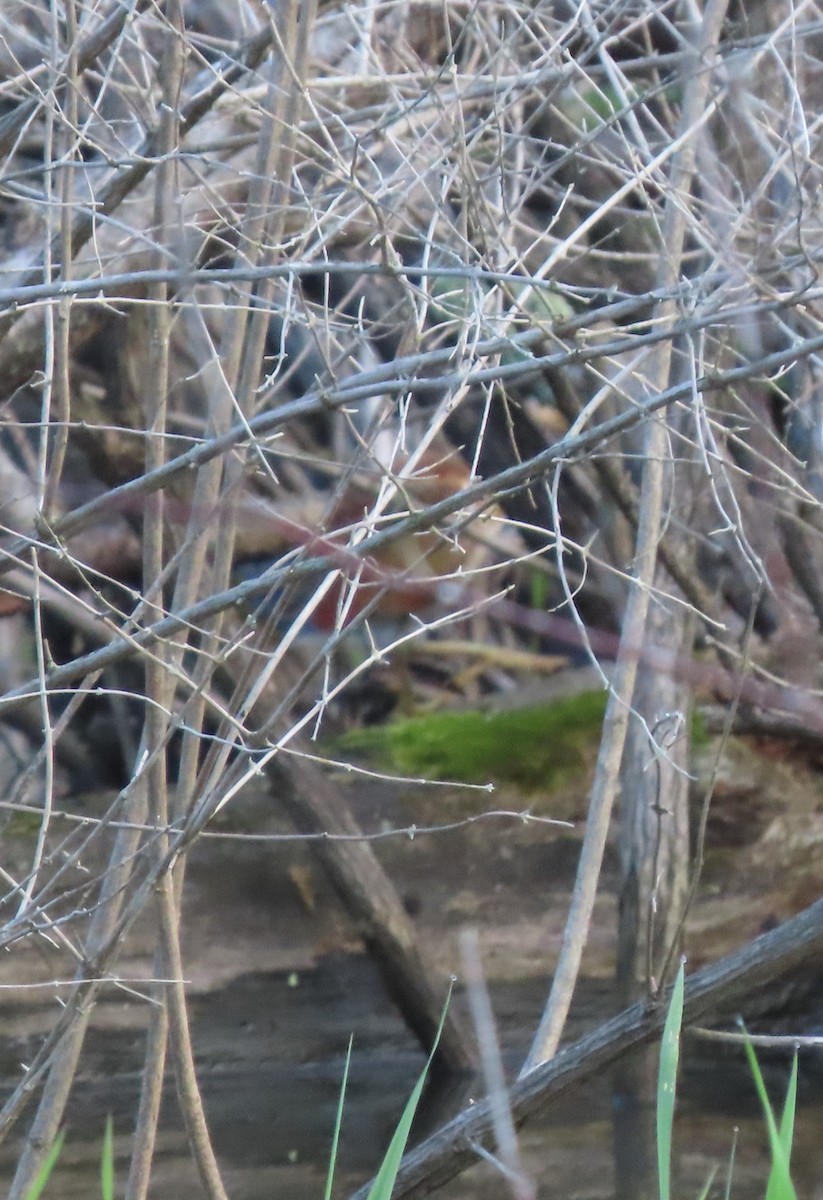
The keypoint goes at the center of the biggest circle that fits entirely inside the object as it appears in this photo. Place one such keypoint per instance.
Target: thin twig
(618, 709)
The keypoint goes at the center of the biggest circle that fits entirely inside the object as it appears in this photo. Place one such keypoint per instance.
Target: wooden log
(316, 805)
(715, 992)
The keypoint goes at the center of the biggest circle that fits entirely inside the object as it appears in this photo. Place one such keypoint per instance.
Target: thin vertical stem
(604, 788)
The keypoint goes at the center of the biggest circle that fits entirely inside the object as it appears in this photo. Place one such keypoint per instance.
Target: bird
(408, 577)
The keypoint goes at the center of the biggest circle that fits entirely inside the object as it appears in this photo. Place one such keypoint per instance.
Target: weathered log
(711, 994)
(317, 805)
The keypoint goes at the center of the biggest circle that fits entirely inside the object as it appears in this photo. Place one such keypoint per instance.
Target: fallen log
(316, 805)
(715, 992)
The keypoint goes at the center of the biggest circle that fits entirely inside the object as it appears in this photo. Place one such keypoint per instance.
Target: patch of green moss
(700, 735)
(541, 746)
(23, 824)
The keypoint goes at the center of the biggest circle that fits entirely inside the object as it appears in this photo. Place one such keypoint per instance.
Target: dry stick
(220, 375)
(573, 445)
(52, 1103)
(189, 580)
(56, 368)
(84, 54)
(494, 1077)
(715, 993)
(187, 586)
(168, 892)
(64, 1065)
(314, 803)
(205, 501)
(65, 1048)
(616, 720)
(243, 346)
(319, 808)
(391, 930)
(399, 377)
(69, 1047)
(116, 285)
(188, 1090)
(271, 148)
(207, 495)
(705, 808)
(21, 329)
(168, 1022)
(110, 923)
(148, 1112)
(245, 338)
(60, 412)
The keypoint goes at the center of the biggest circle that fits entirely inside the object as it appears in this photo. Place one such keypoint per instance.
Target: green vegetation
(106, 1165)
(534, 748)
(43, 1175)
(779, 1185)
(384, 1180)
(107, 1162)
(337, 1124)
(541, 746)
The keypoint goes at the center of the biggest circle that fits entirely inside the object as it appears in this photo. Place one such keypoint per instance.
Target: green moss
(540, 746)
(23, 824)
(700, 735)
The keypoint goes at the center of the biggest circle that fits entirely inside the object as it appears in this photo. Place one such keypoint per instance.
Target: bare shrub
(476, 335)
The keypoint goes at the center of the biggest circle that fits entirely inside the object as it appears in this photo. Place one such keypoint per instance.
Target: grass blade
(338, 1123)
(780, 1186)
(43, 1175)
(786, 1135)
(707, 1186)
(667, 1083)
(107, 1161)
(727, 1191)
(385, 1178)
(789, 1110)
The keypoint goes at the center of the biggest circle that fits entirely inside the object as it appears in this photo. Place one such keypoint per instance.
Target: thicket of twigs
(327, 331)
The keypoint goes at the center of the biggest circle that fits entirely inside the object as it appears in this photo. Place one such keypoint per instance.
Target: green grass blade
(789, 1110)
(667, 1084)
(707, 1186)
(43, 1175)
(338, 1123)
(786, 1135)
(780, 1186)
(107, 1161)
(385, 1178)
